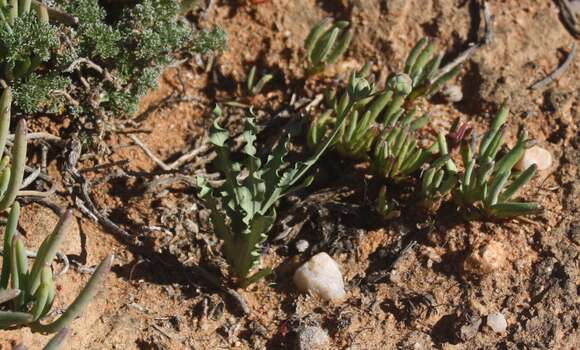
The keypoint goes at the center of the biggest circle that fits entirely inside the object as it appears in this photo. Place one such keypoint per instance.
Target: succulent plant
(488, 182)
(386, 207)
(243, 206)
(398, 154)
(27, 294)
(255, 87)
(326, 42)
(11, 167)
(378, 115)
(439, 179)
(424, 70)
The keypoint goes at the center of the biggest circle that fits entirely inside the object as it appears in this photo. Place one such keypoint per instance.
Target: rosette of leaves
(243, 206)
(367, 119)
(27, 294)
(488, 182)
(397, 153)
(326, 43)
(422, 77)
(424, 70)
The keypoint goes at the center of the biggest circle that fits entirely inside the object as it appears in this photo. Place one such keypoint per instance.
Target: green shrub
(118, 49)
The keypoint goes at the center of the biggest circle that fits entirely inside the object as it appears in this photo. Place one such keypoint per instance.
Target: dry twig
(556, 73)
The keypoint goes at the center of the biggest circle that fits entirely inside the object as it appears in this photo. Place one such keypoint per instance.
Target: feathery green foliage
(243, 206)
(326, 42)
(119, 50)
(26, 38)
(27, 294)
(487, 182)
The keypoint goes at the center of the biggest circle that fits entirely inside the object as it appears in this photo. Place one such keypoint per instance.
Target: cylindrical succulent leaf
(512, 209)
(24, 7)
(315, 33)
(9, 233)
(417, 49)
(520, 181)
(13, 318)
(323, 46)
(87, 294)
(340, 47)
(56, 342)
(41, 295)
(5, 104)
(18, 165)
(48, 249)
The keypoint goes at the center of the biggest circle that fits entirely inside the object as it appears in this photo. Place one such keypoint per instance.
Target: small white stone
(321, 275)
(452, 93)
(535, 155)
(497, 322)
(302, 245)
(313, 338)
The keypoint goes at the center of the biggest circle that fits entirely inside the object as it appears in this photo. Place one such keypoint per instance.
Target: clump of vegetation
(377, 120)
(102, 59)
(26, 295)
(326, 43)
(488, 184)
(243, 206)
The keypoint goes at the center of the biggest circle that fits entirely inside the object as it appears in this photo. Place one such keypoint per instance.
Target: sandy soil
(432, 297)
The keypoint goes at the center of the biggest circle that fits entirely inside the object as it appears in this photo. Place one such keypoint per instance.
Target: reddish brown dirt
(155, 300)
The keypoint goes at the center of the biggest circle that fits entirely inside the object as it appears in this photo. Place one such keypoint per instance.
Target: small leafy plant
(27, 294)
(255, 87)
(424, 70)
(488, 183)
(398, 154)
(326, 43)
(422, 77)
(243, 206)
(439, 179)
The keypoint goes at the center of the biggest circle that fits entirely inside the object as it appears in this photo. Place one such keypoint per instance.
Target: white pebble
(321, 275)
(497, 322)
(302, 245)
(312, 338)
(535, 155)
(452, 93)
